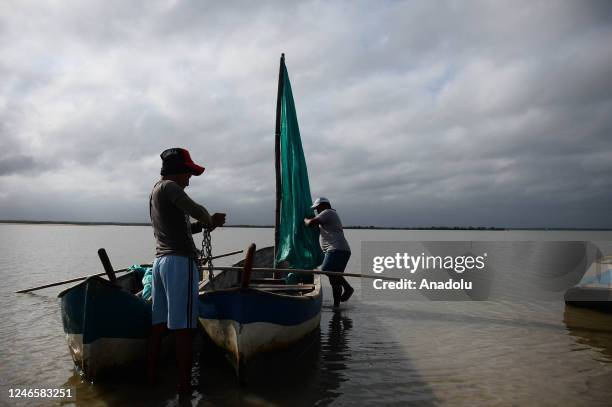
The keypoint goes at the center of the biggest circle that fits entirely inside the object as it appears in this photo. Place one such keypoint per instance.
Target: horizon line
(482, 228)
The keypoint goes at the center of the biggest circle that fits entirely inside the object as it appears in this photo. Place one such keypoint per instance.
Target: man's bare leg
(184, 341)
(157, 331)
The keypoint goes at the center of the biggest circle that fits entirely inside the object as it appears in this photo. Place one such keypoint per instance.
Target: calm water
(426, 353)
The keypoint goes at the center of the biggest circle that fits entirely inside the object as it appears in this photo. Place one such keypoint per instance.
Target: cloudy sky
(412, 113)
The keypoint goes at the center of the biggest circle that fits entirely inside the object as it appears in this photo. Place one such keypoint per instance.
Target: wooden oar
(108, 268)
(72, 280)
(222, 255)
(302, 271)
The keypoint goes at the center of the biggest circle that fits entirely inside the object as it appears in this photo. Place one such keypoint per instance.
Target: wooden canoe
(106, 326)
(265, 316)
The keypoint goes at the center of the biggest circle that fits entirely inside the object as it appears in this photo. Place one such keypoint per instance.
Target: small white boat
(594, 290)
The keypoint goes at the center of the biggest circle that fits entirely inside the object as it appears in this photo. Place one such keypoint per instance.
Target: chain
(206, 254)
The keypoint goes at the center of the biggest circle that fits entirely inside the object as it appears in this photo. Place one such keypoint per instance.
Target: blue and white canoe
(265, 316)
(107, 326)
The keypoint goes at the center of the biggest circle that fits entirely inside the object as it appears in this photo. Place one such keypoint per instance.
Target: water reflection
(336, 363)
(309, 373)
(298, 376)
(591, 328)
(125, 388)
(337, 349)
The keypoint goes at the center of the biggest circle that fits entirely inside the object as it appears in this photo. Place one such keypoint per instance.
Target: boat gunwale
(99, 279)
(311, 294)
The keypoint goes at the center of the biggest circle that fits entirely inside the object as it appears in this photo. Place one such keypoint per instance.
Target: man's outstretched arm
(199, 213)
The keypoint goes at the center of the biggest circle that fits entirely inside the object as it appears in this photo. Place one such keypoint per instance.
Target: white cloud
(411, 113)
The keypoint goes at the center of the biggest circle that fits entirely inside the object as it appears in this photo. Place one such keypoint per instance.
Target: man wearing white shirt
(334, 245)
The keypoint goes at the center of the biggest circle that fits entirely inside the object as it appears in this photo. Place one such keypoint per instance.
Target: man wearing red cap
(175, 271)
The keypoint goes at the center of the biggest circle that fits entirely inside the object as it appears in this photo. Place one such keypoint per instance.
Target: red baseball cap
(178, 161)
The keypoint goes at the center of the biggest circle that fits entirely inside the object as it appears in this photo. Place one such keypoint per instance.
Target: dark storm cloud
(411, 113)
(16, 164)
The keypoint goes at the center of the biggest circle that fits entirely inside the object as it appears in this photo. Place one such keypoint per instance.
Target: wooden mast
(277, 151)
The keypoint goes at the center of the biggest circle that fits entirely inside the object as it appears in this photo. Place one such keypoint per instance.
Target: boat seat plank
(285, 290)
(284, 287)
(268, 280)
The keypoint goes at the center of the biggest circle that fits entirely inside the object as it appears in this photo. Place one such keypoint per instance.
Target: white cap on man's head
(319, 201)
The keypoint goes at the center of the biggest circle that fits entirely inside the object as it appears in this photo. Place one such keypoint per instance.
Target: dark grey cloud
(16, 164)
(411, 113)
(23, 165)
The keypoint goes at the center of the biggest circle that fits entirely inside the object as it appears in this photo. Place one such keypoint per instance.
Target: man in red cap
(175, 271)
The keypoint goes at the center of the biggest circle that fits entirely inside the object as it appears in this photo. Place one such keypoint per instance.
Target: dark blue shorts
(335, 260)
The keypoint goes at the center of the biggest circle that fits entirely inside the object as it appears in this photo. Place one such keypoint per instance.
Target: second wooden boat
(106, 324)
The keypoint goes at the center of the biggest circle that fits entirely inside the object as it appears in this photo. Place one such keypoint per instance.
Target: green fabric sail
(298, 245)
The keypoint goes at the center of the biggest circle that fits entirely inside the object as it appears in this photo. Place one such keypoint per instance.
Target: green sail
(297, 244)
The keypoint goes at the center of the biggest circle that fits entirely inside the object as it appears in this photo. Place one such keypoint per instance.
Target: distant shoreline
(74, 223)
